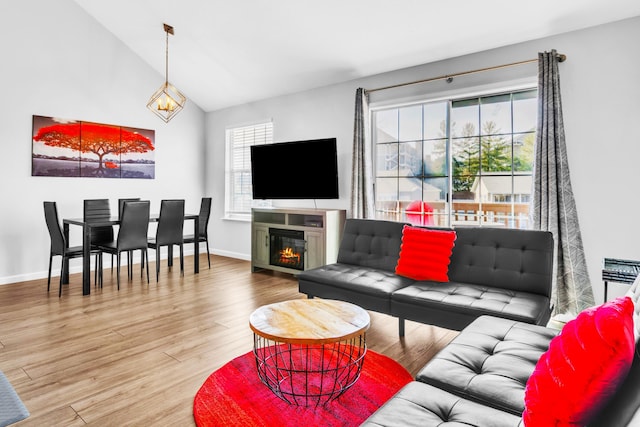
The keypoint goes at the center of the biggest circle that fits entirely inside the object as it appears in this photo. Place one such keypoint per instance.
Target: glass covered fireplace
(287, 248)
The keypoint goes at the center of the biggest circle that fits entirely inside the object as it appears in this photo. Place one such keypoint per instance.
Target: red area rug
(234, 396)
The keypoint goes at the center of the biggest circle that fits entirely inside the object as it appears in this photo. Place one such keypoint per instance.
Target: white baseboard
(37, 275)
(235, 255)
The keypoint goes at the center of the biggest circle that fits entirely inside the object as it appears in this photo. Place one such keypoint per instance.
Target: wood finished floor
(137, 356)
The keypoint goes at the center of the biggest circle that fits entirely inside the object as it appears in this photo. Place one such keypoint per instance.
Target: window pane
(409, 189)
(242, 192)
(410, 158)
(495, 114)
(434, 192)
(522, 188)
(462, 185)
(385, 126)
(495, 153)
(523, 145)
(494, 188)
(435, 120)
(465, 154)
(525, 111)
(387, 160)
(386, 189)
(410, 123)
(435, 157)
(464, 121)
(387, 209)
(431, 208)
(434, 189)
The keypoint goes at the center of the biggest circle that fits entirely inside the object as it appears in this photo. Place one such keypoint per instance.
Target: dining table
(111, 221)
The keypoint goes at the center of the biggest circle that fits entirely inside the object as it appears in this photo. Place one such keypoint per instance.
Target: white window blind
(238, 198)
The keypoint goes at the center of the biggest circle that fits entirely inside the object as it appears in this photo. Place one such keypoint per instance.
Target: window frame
(449, 214)
(242, 137)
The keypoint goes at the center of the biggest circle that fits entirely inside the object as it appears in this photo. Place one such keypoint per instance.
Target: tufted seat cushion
(490, 362)
(365, 280)
(369, 288)
(455, 305)
(419, 404)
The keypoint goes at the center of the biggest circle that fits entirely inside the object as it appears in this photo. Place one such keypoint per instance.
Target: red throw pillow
(425, 254)
(582, 368)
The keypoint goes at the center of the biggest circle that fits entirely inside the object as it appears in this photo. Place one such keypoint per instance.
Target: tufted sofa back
(371, 243)
(520, 260)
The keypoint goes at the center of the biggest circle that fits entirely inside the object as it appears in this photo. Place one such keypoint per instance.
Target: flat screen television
(295, 170)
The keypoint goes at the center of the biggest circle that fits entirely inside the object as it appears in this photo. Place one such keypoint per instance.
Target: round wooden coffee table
(309, 351)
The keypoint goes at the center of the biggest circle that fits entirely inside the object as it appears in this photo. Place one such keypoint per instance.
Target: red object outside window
(419, 213)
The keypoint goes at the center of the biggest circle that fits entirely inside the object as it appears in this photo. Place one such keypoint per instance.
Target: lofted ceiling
(226, 53)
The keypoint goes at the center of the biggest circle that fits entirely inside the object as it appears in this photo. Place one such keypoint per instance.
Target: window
(456, 161)
(238, 198)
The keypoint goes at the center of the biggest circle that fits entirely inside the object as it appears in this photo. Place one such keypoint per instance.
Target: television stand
(293, 240)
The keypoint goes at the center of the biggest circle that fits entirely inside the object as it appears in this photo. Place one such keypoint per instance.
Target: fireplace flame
(288, 256)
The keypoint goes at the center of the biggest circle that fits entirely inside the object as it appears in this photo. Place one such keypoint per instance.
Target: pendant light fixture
(167, 101)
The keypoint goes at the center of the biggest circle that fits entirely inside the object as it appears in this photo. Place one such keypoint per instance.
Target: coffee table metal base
(309, 374)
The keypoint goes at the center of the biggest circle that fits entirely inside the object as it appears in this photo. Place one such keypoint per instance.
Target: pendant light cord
(166, 60)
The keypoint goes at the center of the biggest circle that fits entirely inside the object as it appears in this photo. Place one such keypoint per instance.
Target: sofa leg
(401, 326)
(309, 296)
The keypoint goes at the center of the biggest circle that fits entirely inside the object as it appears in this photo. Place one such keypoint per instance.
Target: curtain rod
(449, 77)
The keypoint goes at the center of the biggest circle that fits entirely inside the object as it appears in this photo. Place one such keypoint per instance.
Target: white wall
(58, 61)
(600, 85)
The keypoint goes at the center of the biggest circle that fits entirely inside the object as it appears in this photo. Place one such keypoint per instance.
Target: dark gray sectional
(498, 296)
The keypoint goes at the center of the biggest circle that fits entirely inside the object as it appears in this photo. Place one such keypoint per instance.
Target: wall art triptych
(76, 148)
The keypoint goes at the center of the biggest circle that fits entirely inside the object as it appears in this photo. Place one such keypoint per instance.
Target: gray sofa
(479, 379)
(501, 272)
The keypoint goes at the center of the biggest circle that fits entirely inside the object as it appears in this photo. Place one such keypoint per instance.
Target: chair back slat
(98, 209)
(203, 217)
(58, 243)
(170, 223)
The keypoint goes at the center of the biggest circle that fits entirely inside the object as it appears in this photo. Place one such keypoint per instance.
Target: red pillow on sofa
(582, 368)
(425, 254)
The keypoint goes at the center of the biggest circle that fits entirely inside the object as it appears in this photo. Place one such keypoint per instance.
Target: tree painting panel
(75, 148)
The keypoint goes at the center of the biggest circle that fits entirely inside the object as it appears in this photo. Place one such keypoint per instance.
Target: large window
(456, 161)
(238, 198)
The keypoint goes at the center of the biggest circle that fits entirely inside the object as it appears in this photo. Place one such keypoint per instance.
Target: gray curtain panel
(362, 203)
(553, 205)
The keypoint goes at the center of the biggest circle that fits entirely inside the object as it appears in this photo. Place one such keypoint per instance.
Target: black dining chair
(169, 232)
(121, 203)
(58, 242)
(96, 209)
(203, 224)
(132, 235)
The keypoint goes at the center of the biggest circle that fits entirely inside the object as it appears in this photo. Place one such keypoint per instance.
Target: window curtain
(553, 205)
(362, 205)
